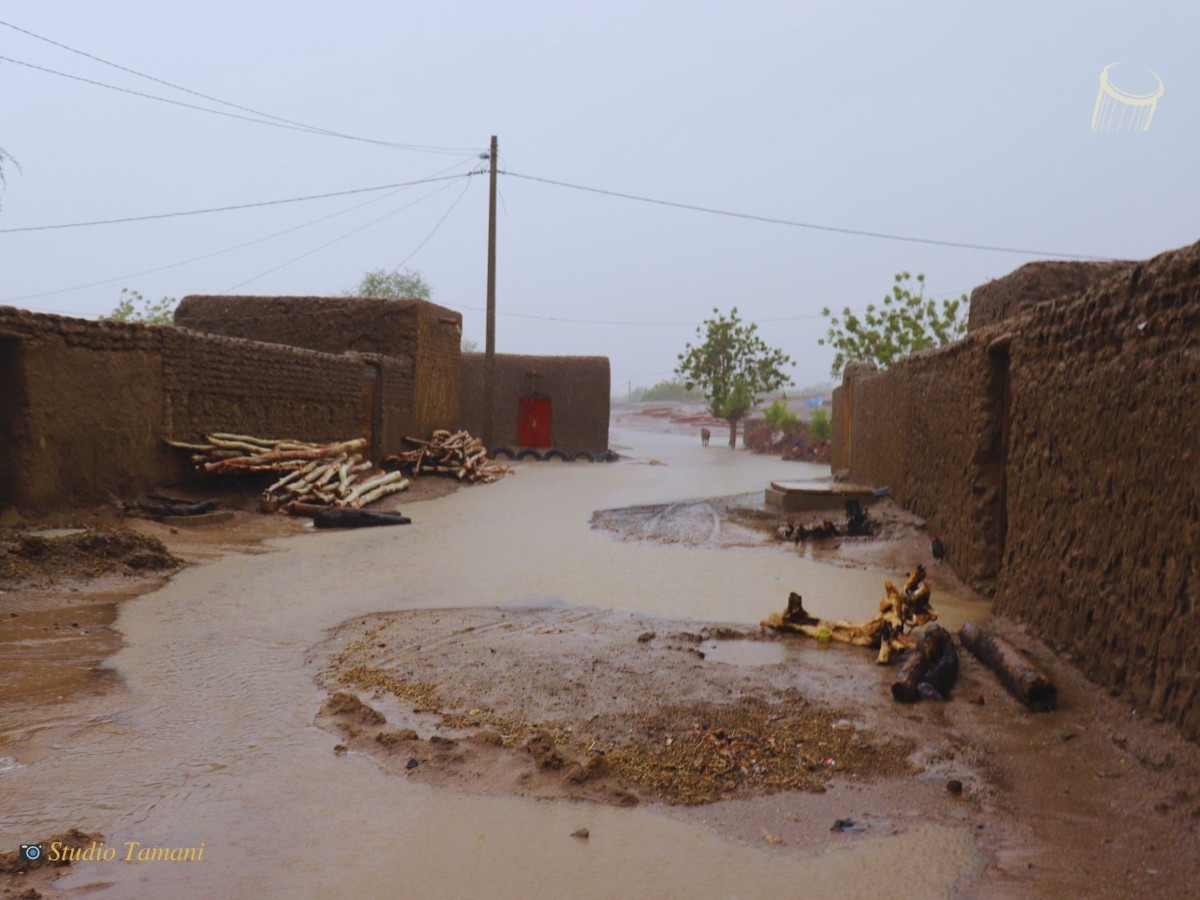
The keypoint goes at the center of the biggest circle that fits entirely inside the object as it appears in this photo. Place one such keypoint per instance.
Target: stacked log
(458, 454)
(315, 476)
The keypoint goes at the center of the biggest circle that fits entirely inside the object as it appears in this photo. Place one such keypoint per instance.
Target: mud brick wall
(437, 369)
(578, 388)
(419, 391)
(1103, 549)
(220, 384)
(1057, 454)
(328, 324)
(1034, 283)
(80, 410)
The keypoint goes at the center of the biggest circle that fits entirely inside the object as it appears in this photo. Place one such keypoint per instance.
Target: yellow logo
(1119, 107)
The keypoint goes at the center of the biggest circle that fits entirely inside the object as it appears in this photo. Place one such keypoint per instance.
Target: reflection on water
(214, 739)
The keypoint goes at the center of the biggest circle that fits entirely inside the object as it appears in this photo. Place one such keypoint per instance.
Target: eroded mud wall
(1034, 283)
(1104, 488)
(86, 415)
(221, 384)
(87, 404)
(577, 386)
(1056, 453)
(437, 369)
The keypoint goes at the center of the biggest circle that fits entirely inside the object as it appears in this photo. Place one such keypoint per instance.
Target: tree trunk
(733, 434)
(1015, 672)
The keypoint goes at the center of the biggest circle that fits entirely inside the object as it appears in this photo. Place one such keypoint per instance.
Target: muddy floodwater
(208, 732)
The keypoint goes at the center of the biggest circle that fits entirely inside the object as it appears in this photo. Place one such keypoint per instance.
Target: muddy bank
(626, 708)
(771, 739)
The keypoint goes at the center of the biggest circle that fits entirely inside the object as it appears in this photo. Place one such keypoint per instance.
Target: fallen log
(356, 518)
(180, 508)
(1014, 670)
(930, 671)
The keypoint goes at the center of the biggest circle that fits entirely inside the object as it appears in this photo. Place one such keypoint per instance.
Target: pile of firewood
(458, 454)
(899, 611)
(315, 476)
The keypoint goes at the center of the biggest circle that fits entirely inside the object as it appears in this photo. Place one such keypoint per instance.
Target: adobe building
(413, 394)
(85, 405)
(1054, 449)
(541, 402)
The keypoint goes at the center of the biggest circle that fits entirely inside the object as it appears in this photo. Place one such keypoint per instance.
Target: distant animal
(705, 434)
(939, 549)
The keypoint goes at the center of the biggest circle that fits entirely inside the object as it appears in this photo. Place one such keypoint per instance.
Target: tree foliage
(733, 366)
(136, 308)
(780, 418)
(819, 426)
(391, 285)
(905, 323)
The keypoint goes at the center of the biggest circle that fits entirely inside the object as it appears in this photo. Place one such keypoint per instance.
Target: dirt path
(210, 737)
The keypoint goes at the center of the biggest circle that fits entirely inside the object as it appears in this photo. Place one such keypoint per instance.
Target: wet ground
(208, 730)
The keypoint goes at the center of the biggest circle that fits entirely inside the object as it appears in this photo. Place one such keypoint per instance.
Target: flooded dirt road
(212, 741)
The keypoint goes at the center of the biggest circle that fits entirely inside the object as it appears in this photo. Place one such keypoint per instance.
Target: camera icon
(30, 852)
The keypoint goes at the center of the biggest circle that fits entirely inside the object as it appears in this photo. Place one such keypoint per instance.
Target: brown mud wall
(1034, 283)
(83, 418)
(437, 368)
(1057, 454)
(220, 384)
(84, 406)
(577, 386)
(418, 390)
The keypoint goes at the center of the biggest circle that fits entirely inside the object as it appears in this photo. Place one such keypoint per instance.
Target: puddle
(220, 745)
(748, 653)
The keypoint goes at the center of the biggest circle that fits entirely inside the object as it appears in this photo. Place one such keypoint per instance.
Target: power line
(794, 224)
(205, 256)
(429, 237)
(216, 209)
(342, 237)
(315, 129)
(274, 121)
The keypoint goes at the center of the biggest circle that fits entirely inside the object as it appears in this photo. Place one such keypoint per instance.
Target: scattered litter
(582, 833)
(847, 825)
(411, 764)
(954, 786)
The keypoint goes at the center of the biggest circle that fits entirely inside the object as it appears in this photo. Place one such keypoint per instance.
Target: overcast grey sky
(930, 119)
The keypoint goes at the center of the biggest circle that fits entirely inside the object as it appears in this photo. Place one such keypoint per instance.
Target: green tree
(819, 426)
(469, 346)
(136, 308)
(907, 322)
(391, 285)
(733, 366)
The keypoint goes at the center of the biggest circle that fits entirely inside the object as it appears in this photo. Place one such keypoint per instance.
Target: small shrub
(819, 426)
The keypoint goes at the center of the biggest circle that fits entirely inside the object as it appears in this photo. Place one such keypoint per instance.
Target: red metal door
(533, 428)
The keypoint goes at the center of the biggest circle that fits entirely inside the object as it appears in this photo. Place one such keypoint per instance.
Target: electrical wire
(809, 225)
(216, 209)
(336, 240)
(307, 129)
(205, 256)
(429, 237)
(424, 148)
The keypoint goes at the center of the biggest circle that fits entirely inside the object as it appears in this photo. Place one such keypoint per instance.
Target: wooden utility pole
(489, 364)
